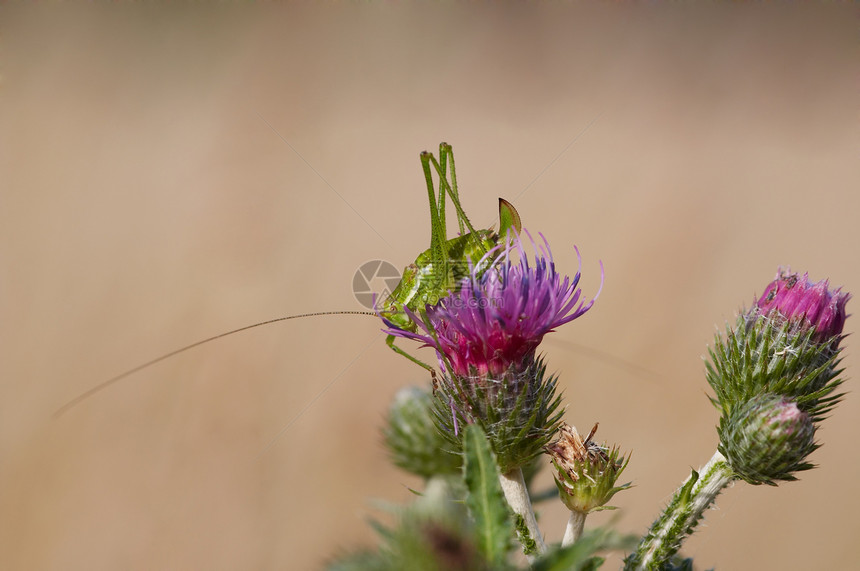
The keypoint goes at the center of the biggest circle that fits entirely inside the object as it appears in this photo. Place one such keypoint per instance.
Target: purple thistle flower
(785, 346)
(794, 298)
(497, 318)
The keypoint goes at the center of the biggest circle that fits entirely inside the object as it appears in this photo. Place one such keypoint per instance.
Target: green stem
(682, 514)
(574, 528)
(517, 495)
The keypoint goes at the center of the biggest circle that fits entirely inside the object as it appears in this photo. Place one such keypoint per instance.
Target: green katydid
(440, 268)
(434, 274)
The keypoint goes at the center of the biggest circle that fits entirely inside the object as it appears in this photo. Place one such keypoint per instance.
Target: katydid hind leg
(446, 157)
(446, 188)
(437, 215)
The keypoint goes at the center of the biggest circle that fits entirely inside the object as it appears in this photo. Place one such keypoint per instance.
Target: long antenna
(101, 386)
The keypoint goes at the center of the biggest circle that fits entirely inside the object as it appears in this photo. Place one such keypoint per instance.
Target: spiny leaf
(485, 499)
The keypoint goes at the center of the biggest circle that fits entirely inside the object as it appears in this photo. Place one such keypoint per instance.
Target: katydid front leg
(389, 340)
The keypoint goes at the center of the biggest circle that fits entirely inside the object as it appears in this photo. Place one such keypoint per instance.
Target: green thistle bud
(586, 471)
(412, 438)
(767, 439)
(518, 411)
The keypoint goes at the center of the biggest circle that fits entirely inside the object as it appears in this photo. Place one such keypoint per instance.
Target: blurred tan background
(170, 173)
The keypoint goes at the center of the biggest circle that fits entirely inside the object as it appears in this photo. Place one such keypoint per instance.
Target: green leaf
(485, 500)
(687, 489)
(581, 555)
(576, 556)
(593, 564)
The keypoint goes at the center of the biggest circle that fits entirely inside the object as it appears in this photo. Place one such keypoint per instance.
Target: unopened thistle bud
(808, 306)
(787, 345)
(767, 439)
(486, 336)
(586, 471)
(412, 438)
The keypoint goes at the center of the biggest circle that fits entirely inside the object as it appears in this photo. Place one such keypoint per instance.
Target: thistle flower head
(586, 471)
(497, 318)
(794, 298)
(767, 439)
(486, 335)
(786, 345)
(775, 375)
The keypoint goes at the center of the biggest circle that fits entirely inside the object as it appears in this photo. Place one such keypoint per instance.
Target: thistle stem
(574, 528)
(681, 516)
(517, 495)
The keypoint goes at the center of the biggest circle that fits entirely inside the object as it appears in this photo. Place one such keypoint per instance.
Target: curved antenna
(101, 386)
(607, 358)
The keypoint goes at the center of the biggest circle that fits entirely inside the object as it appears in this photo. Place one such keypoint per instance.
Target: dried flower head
(586, 471)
